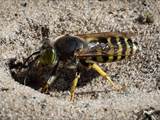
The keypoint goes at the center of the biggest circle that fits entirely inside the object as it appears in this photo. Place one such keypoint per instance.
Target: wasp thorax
(67, 45)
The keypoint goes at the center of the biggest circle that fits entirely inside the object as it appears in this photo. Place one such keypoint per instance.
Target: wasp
(86, 50)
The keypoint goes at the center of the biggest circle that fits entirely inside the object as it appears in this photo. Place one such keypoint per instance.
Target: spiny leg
(105, 75)
(52, 78)
(74, 85)
(45, 87)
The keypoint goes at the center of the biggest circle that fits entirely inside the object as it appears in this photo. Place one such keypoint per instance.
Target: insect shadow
(35, 77)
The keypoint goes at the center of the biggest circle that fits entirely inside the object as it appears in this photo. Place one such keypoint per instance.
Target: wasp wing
(103, 47)
(99, 49)
(95, 36)
(105, 43)
(102, 53)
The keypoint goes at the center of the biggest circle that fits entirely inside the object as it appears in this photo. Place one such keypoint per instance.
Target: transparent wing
(100, 49)
(95, 36)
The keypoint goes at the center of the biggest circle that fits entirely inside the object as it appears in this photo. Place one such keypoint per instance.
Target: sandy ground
(21, 23)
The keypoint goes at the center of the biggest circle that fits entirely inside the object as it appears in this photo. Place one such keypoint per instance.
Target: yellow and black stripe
(117, 48)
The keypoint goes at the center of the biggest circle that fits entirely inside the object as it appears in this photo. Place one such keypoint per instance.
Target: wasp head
(48, 57)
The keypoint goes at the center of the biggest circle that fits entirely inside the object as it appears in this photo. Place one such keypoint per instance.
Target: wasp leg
(27, 60)
(45, 87)
(74, 85)
(105, 75)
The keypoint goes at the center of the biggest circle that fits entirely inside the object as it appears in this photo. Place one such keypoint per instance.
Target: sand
(21, 23)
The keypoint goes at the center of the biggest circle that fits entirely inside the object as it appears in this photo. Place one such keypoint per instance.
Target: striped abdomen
(109, 49)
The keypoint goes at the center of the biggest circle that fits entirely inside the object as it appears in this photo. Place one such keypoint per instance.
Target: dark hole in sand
(33, 77)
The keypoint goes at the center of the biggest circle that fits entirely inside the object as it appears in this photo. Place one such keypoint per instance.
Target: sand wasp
(87, 50)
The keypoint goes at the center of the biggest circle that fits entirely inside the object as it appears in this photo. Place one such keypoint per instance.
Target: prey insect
(86, 50)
